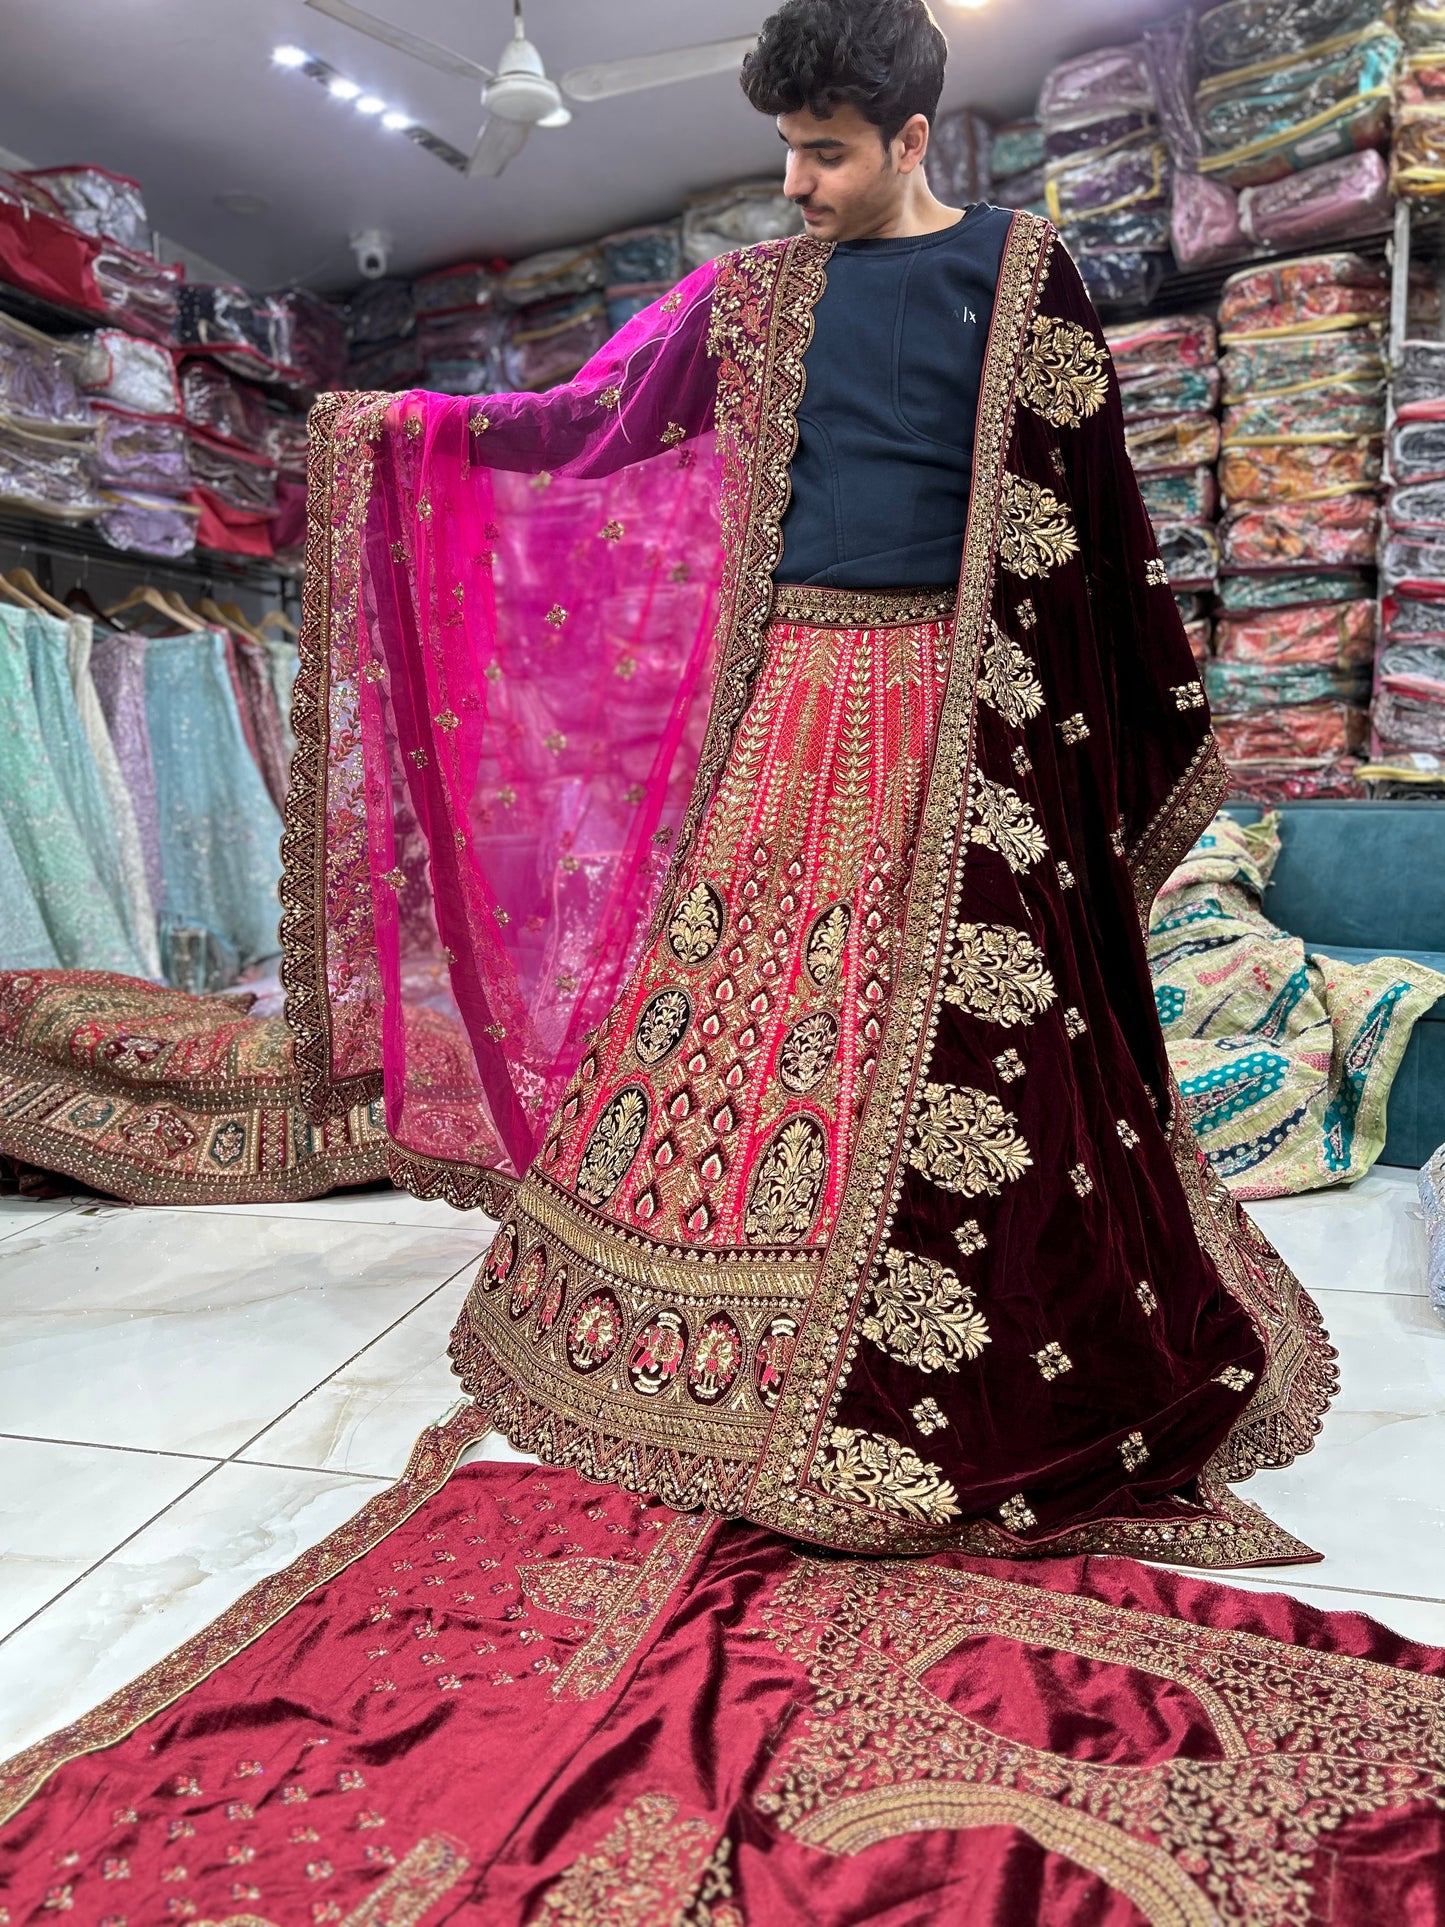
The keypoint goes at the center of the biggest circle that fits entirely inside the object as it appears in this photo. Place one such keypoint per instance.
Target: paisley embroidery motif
(1035, 531)
(1003, 821)
(1008, 683)
(662, 1024)
(923, 1315)
(615, 1141)
(999, 974)
(824, 950)
(1064, 373)
(697, 924)
(967, 1142)
(864, 1468)
(807, 1052)
(788, 1182)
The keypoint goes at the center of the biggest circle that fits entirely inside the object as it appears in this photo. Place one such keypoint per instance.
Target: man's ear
(910, 143)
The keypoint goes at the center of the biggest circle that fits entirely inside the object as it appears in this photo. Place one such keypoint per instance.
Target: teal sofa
(1362, 880)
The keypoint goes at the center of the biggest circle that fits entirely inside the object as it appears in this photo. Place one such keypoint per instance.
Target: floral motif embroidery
(864, 1468)
(1021, 759)
(1017, 1514)
(923, 1315)
(1066, 876)
(673, 434)
(610, 397)
(1080, 1179)
(1074, 1021)
(1235, 1378)
(967, 1142)
(1004, 822)
(1025, 614)
(928, 1416)
(1063, 375)
(611, 531)
(969, 1239)
(697, 924)
(1133, 1451)
(615, 1141)
(1128, 1136)
(1009, 1065)
(556, 615)
(662, 1025)
(808, 1051)
(1144, 1292)
(824, 950)
(1053, 1361)
(1074, 730)
(788, 1182)
(999, 974)
(649, 1866)
(1188, 695)
(1155, 573)
(1008, 682)
(1035, 531)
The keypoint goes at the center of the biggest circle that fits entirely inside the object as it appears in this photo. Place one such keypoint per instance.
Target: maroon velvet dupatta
(1033, 1322)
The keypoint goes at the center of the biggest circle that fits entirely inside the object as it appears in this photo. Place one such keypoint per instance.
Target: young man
(811, 1062)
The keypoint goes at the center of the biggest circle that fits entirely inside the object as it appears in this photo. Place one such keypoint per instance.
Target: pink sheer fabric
(531, 584)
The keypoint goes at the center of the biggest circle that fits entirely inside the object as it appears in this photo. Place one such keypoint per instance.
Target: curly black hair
(885, 56)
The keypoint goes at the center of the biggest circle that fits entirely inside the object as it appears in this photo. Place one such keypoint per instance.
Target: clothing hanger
(237, 616)
(216, 615)
(144, 596)
(278, 619)
(176, 601)
(84, 603)
(25, 582)
(17, 598)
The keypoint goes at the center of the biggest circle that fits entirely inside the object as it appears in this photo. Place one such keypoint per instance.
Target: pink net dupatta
(512, 603)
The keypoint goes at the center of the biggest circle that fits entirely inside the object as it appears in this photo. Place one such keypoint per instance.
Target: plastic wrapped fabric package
(1419, 373)
(379, 311)
(1130, 177)
(1408, 618)
(1182, 391)
(1271, 118)
(1096, 133)
(464, 377)
(1414, 562)
(98, 202)
(132, 373)
(1238, 688)
(1204, 222)
(1421, 23)
(1417, 157)
(1316, 294)
(643, 254)
(1403, 724)
(139, 292)
(1192, 606)
(959, 148)
(1111, 79)
(285, 444)
(474, 335)
(318, 338)
(1347, 196)
(1300, 471)
(551, 275)
(39, 378)
(1417, 451)
(1170, 54)
(1415, 668)
(1337, 533)
(1190, 554)
(624, 302)
(714, 224)
(48, 474)
(1186, 495)
(1187, 442)
(1121, 277)
(1418, 505)
(247, 331)
(1022, 190)
(1243, 32)
(1337, 636)
(1332, 412)
(397, 365)
(1199, 633)
(1140, 229)
(549, 345)
(1353, 362)
(469, 285)
(144, 452)
(1018, 146)
(224, 406)
(155, 525)
(22, 190)
(1297, 781)
(1292, 732)
(1255, 590)
(1159, 346)
(239, 479)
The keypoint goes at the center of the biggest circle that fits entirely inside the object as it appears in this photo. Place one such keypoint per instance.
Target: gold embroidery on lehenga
(808, 1051)
(1004, 822)
(1009, 1065)
(1064, 373)
(1235, 1378)
(662, 1025)
(1053, 1361)
(1008, 681)
(966, 1141)
(697, 924)
(626, 1601)
(1133, 1451)
(969, 1239)
(615, 1141)
(824, 949)
(924, 1315)
(1144, 1292)
(1036, 532)
(863, 1468)
(788, 1182)
(928, 1416)
(999, 974)
(647, 1868)
(1017, 1514)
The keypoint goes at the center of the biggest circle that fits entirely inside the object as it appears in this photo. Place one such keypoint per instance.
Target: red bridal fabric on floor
(523, 1699)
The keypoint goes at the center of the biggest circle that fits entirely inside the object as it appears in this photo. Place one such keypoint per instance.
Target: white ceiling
(182, 95)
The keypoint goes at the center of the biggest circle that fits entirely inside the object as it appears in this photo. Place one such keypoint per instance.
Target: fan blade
(497, 143)
(609, 77)
(442, 58)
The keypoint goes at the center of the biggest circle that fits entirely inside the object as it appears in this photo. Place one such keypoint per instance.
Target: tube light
(371, 104)
(340, 89)
(289, 56)
(395, 123)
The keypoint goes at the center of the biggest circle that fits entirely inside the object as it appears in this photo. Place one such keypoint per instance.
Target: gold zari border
(819, 607)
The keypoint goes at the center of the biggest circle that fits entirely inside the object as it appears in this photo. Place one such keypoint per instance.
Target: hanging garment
(261, 713)
(283, 661)
(219, 832)
(117, 668)
(58, 860)
(24, 940)
(136, 903)
(818, 1077)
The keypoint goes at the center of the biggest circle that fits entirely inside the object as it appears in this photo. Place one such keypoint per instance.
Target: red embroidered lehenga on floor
(796, 937)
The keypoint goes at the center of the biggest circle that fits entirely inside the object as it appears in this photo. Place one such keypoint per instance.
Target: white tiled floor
(188, 1399)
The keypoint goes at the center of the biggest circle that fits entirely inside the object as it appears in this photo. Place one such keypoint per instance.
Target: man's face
(846, 181)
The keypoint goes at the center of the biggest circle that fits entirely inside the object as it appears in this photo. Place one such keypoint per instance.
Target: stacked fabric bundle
(960, 157)
(458, 330)
(47, 427)
(1016, 165)
(381, 336)
(1417, 161)
(1107, 172)
(732, 217)
(1169, 384)
(1302, 455)
(556, 315)
(640, 265)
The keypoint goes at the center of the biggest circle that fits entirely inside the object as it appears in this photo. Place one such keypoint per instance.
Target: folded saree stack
(1303, 390)
(1417, 161)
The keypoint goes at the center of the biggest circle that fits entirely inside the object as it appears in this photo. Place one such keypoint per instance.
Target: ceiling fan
(518, 95)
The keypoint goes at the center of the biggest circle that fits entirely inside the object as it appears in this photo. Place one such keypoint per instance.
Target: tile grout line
(99, 1445)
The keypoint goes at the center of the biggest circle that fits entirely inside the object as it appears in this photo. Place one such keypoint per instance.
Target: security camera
(372, 249)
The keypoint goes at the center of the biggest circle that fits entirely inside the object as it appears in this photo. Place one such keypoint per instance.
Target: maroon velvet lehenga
(818, 1082)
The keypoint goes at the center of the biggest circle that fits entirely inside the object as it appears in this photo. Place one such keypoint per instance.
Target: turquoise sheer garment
(219, 830)
(38, 750)
(24, 940)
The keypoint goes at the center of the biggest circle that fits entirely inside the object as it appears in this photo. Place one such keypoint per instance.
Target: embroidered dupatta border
(433, 1460)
